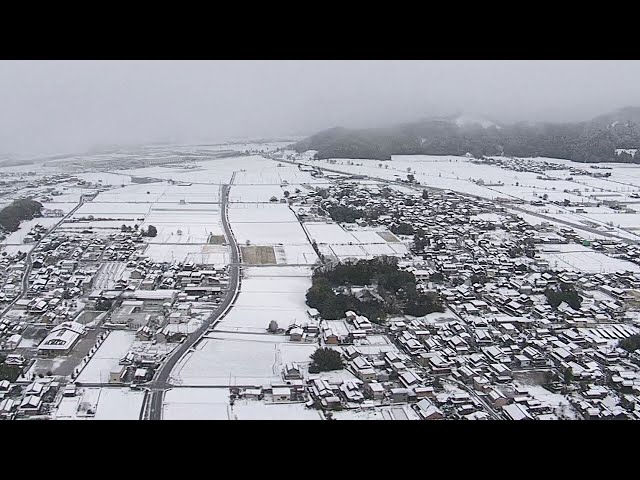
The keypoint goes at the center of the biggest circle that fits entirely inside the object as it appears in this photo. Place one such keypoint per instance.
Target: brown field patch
(258, 255)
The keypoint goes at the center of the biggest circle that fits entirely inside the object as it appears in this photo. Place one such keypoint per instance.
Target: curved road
(161, 381)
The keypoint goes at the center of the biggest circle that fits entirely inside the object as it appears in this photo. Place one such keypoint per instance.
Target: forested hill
(592, 141)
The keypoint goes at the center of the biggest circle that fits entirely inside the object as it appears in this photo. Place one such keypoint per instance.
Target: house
(399, 395)
(296, 334)
(7, 407)
(428, 411)
(15, 359)
(69, 390)
(497, 398)
(515, 411)
(62, 339)
(34, 388)
(281, 394)
(292, 371)
(118, 375)
(424, 392)
(351, 391)
(375, 389)
(5, 386)
(31, 404)
(409, 379)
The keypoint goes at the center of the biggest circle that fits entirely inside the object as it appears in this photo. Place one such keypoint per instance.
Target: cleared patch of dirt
(258, 255)
(388, 237)
(216, 239)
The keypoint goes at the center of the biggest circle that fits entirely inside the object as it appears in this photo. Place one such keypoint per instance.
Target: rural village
(217, 282)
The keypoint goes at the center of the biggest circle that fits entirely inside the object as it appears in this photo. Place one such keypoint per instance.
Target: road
(29, 261)
(161, 381)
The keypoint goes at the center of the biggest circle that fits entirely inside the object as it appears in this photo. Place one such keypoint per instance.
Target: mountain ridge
(597, 140)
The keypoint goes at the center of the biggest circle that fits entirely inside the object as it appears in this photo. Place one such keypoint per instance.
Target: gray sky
(70, 106)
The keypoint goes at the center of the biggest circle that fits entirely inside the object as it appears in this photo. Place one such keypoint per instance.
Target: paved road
(29, 260)
(161, 380)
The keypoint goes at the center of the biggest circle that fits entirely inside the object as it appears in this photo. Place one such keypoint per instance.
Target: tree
(286, 194)
(630, 344)
(103, 304)
(17, 211)
(568, 375)
(425, 195)
(411, 178)
(151, 231)
(325, 360)
(566, 294)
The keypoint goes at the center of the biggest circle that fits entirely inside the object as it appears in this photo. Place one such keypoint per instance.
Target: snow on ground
(66, 207)
(17, 237)
(235, 360)
(190, 253)
(105, 178)
(295, 254)
(258, 410)
(119, 404)
(255, 193)
(270, 293)
(107, 358)
(196, 404)
(583, 259)
(107, 403)
(328, 233)
(296, 352)
(105, 210)
(263, 212)
(336, 241)
(399, 412)
(559, 403)
(266, 233)
(13, 249)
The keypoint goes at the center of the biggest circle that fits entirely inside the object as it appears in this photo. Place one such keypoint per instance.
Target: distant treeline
(592, 141)
(16, 212)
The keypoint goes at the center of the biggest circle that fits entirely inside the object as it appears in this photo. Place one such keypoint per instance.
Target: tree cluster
(17, 211)
(103, 304)
(396, 290)
(325, 360)
(566, 293)
(630, 344)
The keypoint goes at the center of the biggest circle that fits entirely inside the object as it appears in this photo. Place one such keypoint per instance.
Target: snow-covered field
(257, 410)
(336, 241)
(200, 254)
(234, 359)
(269, 293)
(106, 359)
(119, 404)
(265, 212)
(107, 404)
(17, 237)
(583, 259)
(213, 404)
(196, 404)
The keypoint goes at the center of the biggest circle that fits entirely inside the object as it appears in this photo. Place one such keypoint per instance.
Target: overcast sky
(70, 106)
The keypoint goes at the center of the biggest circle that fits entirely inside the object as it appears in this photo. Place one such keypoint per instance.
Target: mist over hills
(597, 140)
